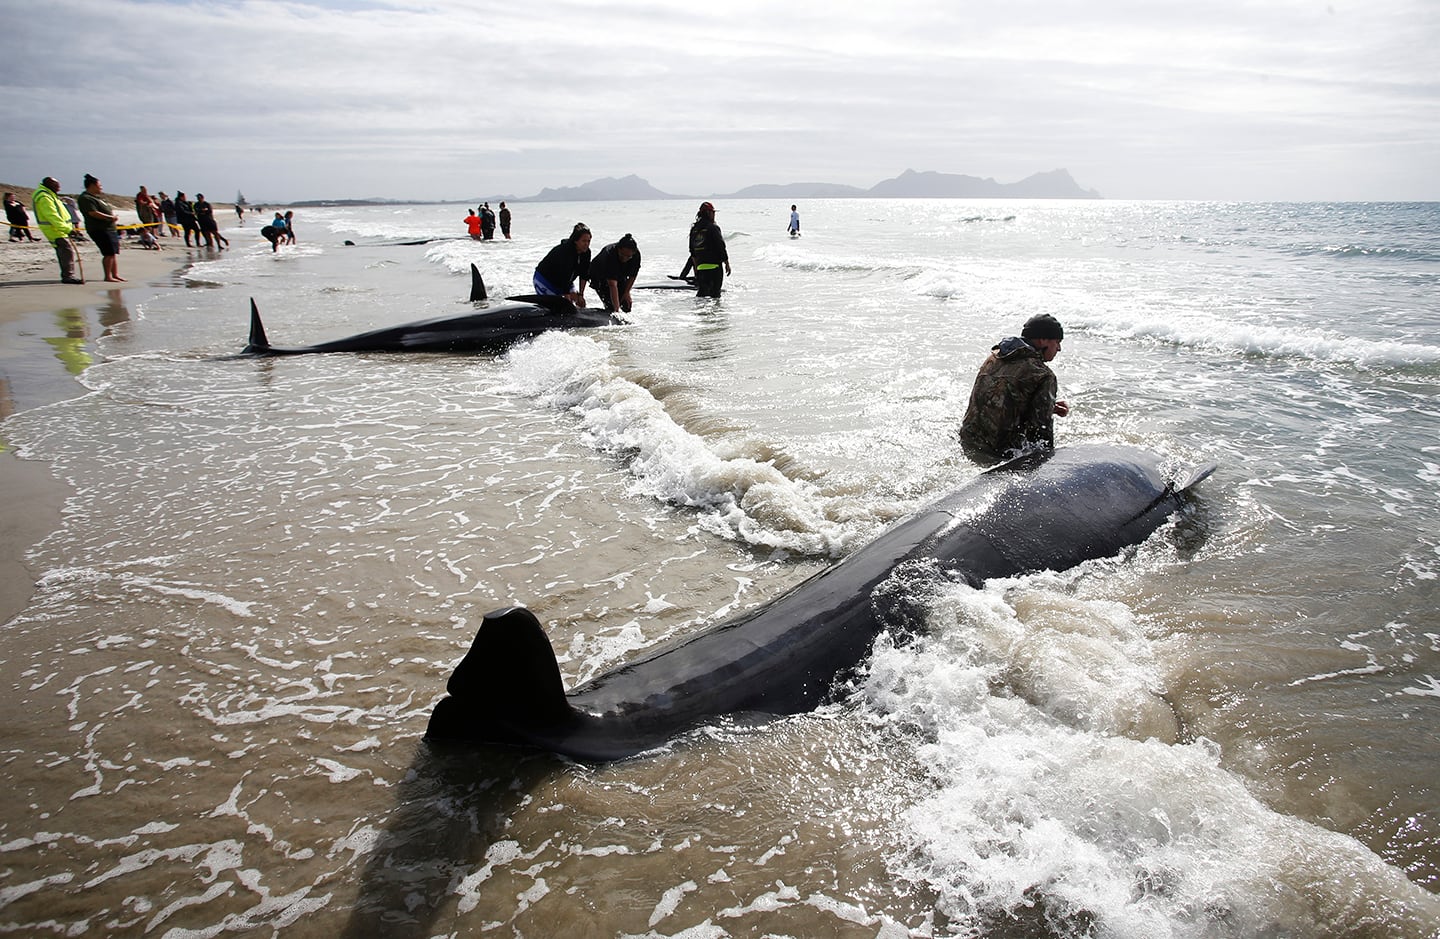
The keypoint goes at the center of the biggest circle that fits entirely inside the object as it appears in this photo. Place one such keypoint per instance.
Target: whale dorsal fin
(477, 285)
(258, 342)
(511, 670)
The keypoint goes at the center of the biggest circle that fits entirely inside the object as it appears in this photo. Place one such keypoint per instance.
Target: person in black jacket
(613, 272)
(568, 261)
(707, 253)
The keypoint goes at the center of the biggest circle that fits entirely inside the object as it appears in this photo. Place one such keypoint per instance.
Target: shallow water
(270, 567)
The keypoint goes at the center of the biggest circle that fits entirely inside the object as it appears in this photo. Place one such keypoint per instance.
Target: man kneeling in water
(1013, 404)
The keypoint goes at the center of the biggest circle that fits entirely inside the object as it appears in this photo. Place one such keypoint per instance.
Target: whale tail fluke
(258, 344)
(477, 285)
(508, 683)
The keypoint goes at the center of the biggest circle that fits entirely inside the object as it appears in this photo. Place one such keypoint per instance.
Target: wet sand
(31, 498)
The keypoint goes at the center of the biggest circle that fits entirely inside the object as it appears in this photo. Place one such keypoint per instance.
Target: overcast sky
(457, 99)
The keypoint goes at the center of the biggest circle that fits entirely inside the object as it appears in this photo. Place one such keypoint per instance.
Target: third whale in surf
(1042, 512)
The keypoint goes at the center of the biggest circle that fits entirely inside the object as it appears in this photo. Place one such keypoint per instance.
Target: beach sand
(31, 498)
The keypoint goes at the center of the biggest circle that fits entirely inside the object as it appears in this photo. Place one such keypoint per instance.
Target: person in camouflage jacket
(1013, 404)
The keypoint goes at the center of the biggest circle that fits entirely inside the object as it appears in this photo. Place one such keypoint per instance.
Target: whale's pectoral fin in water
(509, 679)
(477, 285)
(258, 342)
(1190, 476)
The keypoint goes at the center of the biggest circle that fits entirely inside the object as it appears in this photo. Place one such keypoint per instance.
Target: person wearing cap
(707, 253)
(1013, 404)
(614, 271)
(568, 261)
(56, 225)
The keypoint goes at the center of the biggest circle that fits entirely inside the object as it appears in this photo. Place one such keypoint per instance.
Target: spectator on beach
(205, 216)
(1013, 403)
(185, 212)
(100, 225)
(556, 274)
(19, 219)
(473, 223)
(707, 253)
(505, 221)
(613, 272)
(146, 209)
(167, 212)
(56, 225)
(77, 233)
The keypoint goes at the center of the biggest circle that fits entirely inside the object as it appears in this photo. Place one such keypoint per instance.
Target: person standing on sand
(19, 219)
(54, 221)
(100, 222)
(167, 212)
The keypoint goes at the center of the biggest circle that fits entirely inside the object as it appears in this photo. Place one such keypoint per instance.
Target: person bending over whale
(1013, 403)
(613, 273)
(568, 261)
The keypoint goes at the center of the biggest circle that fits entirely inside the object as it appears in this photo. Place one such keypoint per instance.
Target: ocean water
(269, 567)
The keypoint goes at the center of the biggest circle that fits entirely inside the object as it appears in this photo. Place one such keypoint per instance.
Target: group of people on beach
(67, 221)
(482, 225)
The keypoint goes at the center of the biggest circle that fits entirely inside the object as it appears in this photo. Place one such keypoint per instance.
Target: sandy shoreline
(31, 498)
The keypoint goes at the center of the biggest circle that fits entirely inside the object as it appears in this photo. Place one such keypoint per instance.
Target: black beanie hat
(1042, 326)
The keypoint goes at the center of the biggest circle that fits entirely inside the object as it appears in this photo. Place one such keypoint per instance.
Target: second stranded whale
(489, 329)
(1043, 512)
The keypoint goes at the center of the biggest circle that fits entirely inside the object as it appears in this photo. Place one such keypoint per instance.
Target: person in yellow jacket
(54, 221)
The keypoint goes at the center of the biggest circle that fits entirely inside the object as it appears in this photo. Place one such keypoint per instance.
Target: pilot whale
(1046, 511)
(488, 329)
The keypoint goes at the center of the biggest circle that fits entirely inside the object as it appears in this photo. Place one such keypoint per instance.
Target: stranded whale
(1042, 512)
(492, 328)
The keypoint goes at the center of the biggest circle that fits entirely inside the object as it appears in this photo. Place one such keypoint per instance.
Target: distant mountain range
(1056, 184)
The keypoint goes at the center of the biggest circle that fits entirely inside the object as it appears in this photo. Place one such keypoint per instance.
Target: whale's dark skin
(483, 330)
(1045, 512)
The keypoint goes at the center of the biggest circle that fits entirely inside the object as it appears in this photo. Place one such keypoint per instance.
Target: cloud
(442, 99)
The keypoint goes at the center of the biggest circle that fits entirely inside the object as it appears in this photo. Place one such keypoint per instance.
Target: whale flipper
(477, 285)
